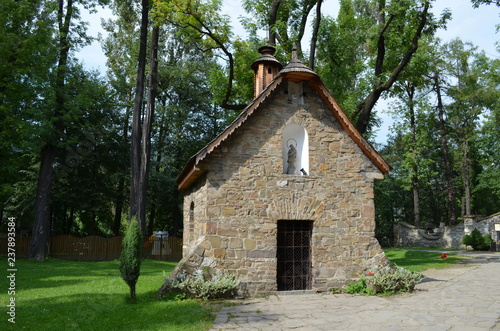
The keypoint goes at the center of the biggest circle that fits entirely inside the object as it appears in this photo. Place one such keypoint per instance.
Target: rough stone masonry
(237, 191)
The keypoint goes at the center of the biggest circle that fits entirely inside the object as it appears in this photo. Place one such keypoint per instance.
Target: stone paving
(467, 302)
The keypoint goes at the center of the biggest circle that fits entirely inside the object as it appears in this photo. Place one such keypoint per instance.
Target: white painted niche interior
(296, 135)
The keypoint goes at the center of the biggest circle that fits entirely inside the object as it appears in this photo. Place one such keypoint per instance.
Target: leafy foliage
(385, 280)
(204, 67)
(202, 284)
(393, 279)
(477, 241)
(447, 149)
(359, 287)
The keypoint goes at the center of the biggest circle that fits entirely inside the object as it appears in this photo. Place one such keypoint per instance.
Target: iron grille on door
(294, 255)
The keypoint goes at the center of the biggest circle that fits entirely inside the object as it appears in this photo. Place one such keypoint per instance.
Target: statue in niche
(292, 158)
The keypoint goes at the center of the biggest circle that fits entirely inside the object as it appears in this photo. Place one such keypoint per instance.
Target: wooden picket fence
(95, 248)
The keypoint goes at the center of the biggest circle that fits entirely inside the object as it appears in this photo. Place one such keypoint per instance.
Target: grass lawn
(70, 295)
(417, 260)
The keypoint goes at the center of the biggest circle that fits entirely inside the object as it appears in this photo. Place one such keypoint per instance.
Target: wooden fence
(95, 248)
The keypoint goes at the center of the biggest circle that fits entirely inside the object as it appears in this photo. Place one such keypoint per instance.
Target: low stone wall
(407, 235)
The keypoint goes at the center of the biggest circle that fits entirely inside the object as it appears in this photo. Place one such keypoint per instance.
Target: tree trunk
(146, 129)
(71, 220)
(314, 38)
(365, 106)
(135, 156)
(177, 215)
(414, 180)
(152, 215)
(302, 27)
(120, 198)
(466, 167)
(132, 291)
(119, 207)
(452, 214)
(41, 226)
(273, 14)
(416, 204)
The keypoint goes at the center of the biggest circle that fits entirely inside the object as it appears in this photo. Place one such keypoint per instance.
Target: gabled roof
(295, 71)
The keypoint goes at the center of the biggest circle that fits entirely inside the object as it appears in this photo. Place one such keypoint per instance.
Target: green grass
(435, 249)
(69, 295)
(420, 260)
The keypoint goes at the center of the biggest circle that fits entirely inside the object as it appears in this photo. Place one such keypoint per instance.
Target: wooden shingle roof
(295, 71)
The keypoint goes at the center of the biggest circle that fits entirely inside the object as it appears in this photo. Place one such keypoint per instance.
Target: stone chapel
(284, 197)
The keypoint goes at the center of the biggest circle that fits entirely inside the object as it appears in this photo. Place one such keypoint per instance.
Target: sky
(475, 25)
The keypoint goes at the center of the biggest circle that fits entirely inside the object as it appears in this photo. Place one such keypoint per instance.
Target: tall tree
(200, 21)
(27, 59)
(187, 119)
(455, 146)
(389, 40)
(472, 92)
(443, 134)
(148, 126)
(137, 201)
(66, 38)
(400, 23)
(287, 21)
(119, 46)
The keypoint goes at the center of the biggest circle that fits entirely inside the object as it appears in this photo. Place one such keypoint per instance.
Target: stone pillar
(468, 224)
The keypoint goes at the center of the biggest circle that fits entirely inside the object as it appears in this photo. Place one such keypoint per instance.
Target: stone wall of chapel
(194, 221)
(247, 193)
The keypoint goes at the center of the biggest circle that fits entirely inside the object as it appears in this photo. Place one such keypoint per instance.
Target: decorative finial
(294, 51)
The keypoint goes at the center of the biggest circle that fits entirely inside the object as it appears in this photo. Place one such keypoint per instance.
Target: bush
(477, 240)
(393, 279)
(359, 288)
(131, 256)
(203, 285)
(467, 240)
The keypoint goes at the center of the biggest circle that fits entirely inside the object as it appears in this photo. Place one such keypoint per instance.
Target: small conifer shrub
(131, 256)
(477, 240)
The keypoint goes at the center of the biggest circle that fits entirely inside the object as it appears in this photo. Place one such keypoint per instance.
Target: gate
(294, 255)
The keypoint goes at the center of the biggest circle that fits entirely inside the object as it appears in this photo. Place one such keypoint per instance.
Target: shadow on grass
(61, 273)
(110, 312)
(70, 295)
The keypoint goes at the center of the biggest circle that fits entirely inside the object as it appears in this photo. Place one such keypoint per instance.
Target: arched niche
(295, 150)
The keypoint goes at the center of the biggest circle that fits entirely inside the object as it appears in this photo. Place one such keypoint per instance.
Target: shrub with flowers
(393, 279)
(204, 285)
(387, 280)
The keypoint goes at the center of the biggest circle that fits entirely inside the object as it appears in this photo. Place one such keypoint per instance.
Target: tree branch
(365, 107)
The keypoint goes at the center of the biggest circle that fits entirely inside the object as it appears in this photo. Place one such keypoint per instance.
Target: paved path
(467, 302)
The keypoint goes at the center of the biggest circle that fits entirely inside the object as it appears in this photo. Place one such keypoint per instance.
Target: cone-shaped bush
(131, 256)
(477, 240)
